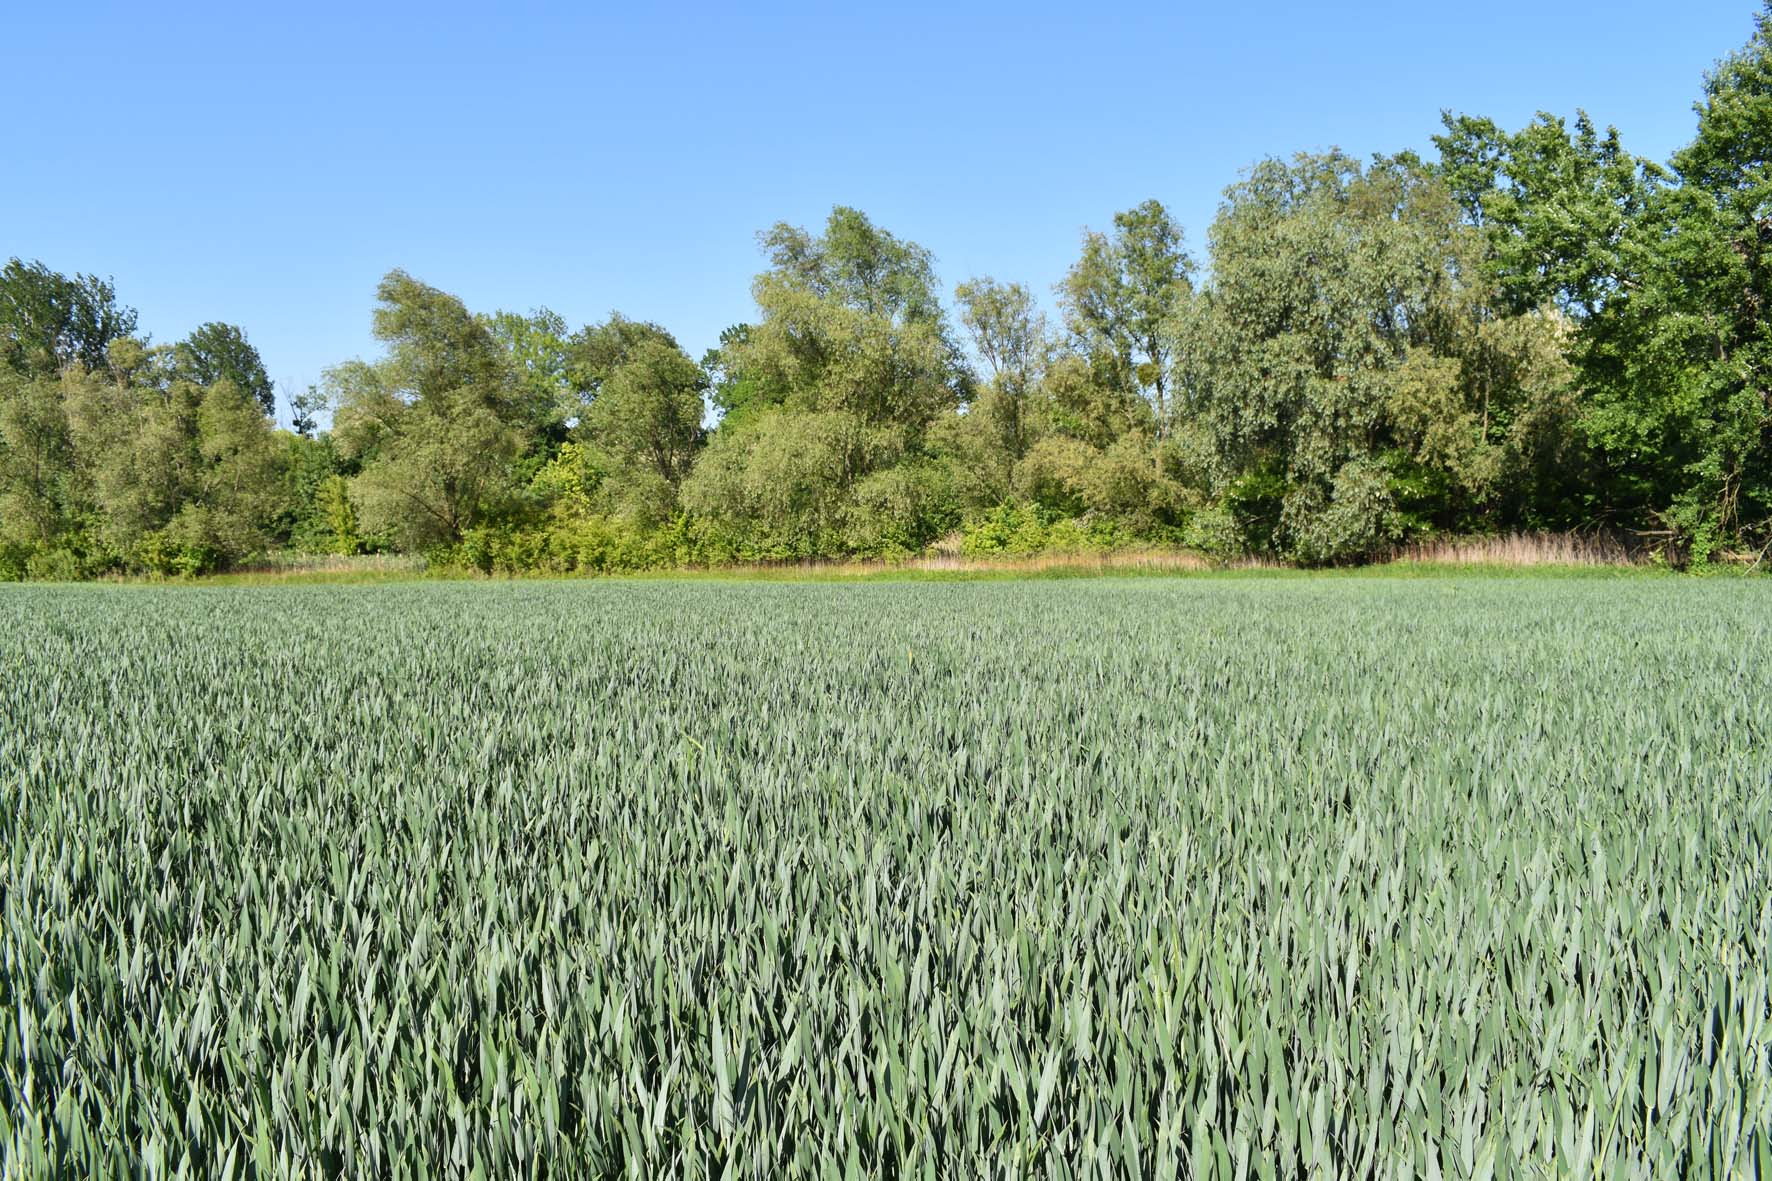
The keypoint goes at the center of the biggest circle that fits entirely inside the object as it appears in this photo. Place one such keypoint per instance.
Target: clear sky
(266, 163)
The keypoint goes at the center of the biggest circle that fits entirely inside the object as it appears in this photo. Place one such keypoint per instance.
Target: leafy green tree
(242, 474)
(49, 525)
(138, 455)
(1010, 336)
(783, 486)
(845, 370)
(437, 426)
(1558, 207)
(1120, 297)
(539, 353)
(339, 515)
(896, 510)
(596, 351)
(1570, 220)
(446, 468)
(1338, 368)
(1008, 331)
(304, 411)
(98, 473)
(731, 392)
(37, 478)
(221, 352)
(1074, 401)
(1698, 336)
(850, 321)
(312, 463)
(440, 352)
(366, 409)
(648, 416)
(130, 361)
(176, 477)
(49, 322)
(1662, 275)
(858, 265)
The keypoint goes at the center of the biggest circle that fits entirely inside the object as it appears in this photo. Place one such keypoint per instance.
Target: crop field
(1256, 877)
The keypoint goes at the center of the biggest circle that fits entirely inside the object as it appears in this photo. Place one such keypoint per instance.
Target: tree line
(1527, 330)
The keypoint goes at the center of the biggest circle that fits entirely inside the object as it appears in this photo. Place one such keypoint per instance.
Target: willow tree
(1120, 298)
(845, 368)
(1344, 371)
(436, 425)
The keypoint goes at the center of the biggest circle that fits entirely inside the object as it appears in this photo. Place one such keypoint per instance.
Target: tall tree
(1008, 331)
(1010, 336)
(850, 322)
(437, 424)
(1121, 296)
(857, 264)
(218, 352)
(845, 369)
(445, 469)
(1558, 206)
(49, 322)
(1339, 364)
(436, 347)
(1664, 276)
(540, 356)
(596, 351)
(37, 475)
(1705, 317)
(647, 417)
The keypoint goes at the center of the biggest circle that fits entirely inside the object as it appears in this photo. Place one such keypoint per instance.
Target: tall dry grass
(949, 563)
(1520, 549)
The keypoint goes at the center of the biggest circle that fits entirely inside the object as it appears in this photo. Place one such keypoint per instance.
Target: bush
(1007, 529)
(1357, 520)
(900, 510)
(15, 561)
(1028, 529)
(1214, 531)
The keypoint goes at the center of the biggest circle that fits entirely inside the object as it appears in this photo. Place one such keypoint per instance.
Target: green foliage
(1665, 271)
(1008, 331)
(584, 544)
(1350, 321)
(1357, 519)
(1535, 331)
(597, 351)
(766, 881)
(1025, 529)
(38, 488)
(647, 414)
(436, 428)
(338, 512)
(50, 322)
(311, 464)
(733, 393)
(785, 483)
(541, 356)
(1120, 299)
(1215, 532)
(447, 468)
(221, 352)
(158, 475)
(845, 374)
(900, 510)
(1720, 278)
(855, 264)
(1559, 207)
(436, 347)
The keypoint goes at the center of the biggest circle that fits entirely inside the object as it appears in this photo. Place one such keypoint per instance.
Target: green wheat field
(1457, 877)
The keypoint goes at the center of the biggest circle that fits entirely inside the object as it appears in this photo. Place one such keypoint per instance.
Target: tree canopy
(1528, 329)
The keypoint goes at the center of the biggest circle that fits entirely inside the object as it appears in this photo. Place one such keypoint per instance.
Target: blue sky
(265, 164)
